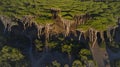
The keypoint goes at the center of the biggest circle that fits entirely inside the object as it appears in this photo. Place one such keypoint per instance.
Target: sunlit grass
(69, 8)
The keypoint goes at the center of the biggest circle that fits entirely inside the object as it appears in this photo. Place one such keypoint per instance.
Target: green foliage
(104, 15)
(85, 54)
(77, 63)
(103, 45)
(2, 41)
(92, 63)
(115, 63)
(11, 54)
(115, 46)
(55, 64)
(105, 12)
(5, 64)
(52, 45)
(66, 48)
(38, 45)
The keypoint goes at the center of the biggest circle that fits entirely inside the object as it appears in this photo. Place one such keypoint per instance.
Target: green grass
(105, 14)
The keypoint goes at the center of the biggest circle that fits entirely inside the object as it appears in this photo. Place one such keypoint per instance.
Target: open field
(104, 14)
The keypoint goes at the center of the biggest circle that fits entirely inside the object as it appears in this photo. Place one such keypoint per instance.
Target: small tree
(8, 55)
(67, 49)
(38, 45)
(77, 63)
(85, 54)
(55, 64)
(12, 54)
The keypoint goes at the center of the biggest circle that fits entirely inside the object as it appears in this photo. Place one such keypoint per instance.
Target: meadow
(105, 14)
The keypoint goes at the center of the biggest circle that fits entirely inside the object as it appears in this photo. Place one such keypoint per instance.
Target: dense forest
(59, 33)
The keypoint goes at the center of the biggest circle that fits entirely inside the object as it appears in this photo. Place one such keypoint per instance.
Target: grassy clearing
(105, 14)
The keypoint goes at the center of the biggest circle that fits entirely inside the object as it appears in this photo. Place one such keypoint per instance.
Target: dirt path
(100, 56)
